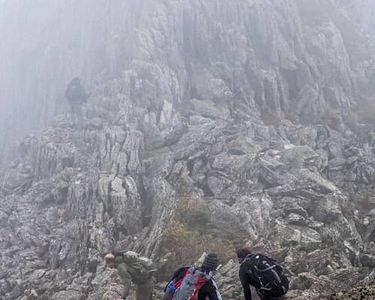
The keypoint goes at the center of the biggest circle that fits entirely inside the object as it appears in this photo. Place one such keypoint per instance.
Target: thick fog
(46, 43)
(177, 127)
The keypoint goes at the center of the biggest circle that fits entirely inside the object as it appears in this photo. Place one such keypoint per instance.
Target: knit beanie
(210, 262)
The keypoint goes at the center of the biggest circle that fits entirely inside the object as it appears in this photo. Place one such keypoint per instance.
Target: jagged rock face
(246, 106)
(357, 293)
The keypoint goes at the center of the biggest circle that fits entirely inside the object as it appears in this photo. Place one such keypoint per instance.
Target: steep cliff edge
(246, 115)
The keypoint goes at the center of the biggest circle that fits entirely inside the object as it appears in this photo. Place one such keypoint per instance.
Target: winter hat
(210, 262)
(243, 252)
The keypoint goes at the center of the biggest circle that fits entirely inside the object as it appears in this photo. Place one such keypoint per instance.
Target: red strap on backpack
(178, 283)
(201, 282)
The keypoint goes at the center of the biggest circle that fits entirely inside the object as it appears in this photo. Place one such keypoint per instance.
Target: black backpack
(270, 277)
(76, 94)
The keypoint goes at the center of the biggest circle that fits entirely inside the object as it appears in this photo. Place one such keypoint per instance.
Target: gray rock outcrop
(252, 109)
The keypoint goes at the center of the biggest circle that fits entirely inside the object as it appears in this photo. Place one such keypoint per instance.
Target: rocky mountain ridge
(249, 113)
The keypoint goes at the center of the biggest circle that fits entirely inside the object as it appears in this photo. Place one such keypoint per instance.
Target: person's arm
(245, 284)
(167, 295)
(125, 278)
(123, 272)
(179, 274)
(210, 291)
(83, 94)
(67, 93)
(169, 289)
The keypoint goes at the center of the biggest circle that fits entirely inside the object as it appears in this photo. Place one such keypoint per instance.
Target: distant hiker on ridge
(76, 96)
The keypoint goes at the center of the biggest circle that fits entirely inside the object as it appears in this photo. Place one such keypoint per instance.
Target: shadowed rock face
(357, 293)
(251, 108)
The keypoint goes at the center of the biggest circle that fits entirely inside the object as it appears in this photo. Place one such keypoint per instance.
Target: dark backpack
(270, 277)
(188, 287)
(75, 94)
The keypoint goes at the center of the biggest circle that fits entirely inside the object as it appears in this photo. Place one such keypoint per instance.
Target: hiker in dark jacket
(76, 96)
(206, 290)
(251, 275)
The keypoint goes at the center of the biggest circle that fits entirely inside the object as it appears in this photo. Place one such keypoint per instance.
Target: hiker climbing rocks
(191, 283)
(133, 268)
(264, 274)
(76, 96)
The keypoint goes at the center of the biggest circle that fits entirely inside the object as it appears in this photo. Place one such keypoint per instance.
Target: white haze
(44, 43)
